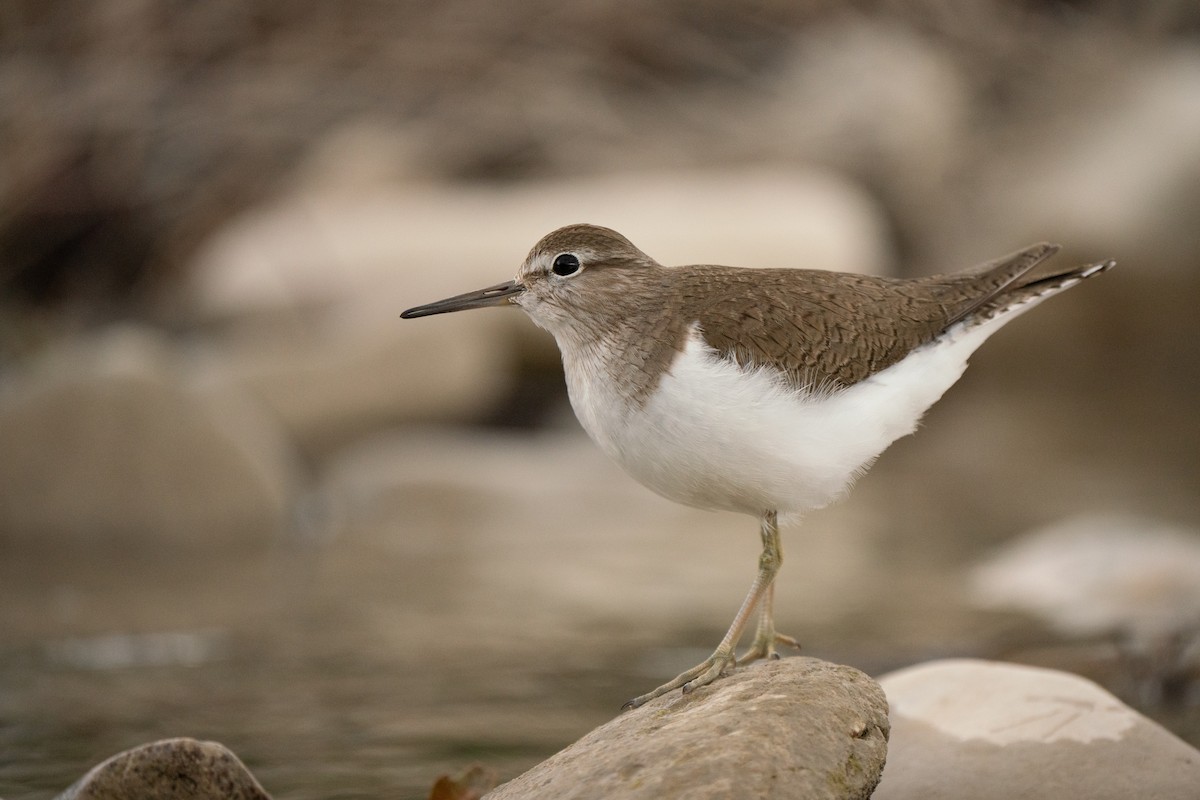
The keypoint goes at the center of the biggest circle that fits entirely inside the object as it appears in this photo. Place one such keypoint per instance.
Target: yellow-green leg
(766, 637)
(760, 592)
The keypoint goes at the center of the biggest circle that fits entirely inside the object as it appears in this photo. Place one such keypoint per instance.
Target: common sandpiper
(764, 391)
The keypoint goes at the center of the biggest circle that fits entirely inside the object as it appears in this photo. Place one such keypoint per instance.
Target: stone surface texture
(978, 729)
(794, 728)
(171, 769)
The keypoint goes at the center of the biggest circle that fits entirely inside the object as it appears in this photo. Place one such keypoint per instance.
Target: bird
(755, 390)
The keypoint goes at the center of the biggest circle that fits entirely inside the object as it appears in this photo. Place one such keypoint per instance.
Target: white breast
(714, 435)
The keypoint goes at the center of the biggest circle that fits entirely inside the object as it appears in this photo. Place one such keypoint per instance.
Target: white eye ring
(565, 264)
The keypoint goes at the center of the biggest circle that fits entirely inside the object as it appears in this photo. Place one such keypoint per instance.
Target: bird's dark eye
(565, 264)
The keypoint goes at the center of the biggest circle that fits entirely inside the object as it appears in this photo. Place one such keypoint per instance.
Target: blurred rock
(1100, 575)
(987, 730)
(104, 442)
(1132, 579)
(797, 727)
(171, 769)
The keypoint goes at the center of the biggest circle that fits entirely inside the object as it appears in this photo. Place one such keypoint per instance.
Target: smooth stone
(979, 729)
(106, 441)
(170, 769)
(793, 728)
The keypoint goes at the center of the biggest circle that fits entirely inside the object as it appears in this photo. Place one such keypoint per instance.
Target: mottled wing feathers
(828, 329)
(822, 330)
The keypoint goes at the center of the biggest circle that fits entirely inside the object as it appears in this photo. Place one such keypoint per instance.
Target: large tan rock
(171, 769)
(794, 728)
(985, 730)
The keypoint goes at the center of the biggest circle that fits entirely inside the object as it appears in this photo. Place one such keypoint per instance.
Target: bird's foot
(702, 674)
(764, 647)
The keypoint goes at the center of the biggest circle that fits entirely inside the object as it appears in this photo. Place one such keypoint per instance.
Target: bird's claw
(700, 675)
(764, 647)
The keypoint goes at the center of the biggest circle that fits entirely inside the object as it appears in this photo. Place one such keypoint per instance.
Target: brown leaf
(472, 784)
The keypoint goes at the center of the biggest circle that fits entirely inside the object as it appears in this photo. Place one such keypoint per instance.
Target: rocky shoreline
(793, 728)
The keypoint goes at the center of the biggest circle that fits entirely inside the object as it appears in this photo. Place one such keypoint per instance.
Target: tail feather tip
(1096, 269)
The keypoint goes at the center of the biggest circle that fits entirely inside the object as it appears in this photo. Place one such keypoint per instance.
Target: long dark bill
(497, 295)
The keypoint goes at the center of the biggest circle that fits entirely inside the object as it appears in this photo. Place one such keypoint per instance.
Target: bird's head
(572, 280)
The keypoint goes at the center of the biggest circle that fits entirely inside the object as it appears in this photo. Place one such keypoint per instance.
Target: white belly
(714, 435)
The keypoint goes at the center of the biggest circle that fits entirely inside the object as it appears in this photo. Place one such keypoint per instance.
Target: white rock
(1006, 703)
(978, 729)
